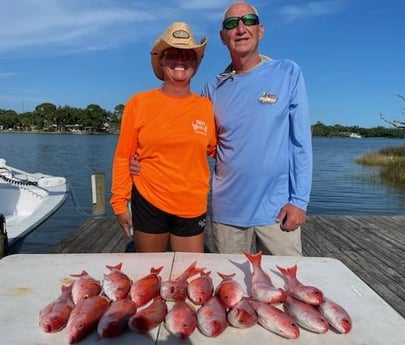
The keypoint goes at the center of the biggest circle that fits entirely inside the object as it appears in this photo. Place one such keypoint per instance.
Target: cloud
(30, 27)
(69, 25)
(9, 74)
(310, 9)
(204, 4)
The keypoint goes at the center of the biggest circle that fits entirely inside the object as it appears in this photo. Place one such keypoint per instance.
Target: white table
(31, 281)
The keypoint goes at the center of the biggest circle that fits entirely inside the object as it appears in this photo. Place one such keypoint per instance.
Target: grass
(391, 161)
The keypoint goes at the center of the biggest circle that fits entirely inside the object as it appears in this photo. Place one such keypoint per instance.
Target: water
(340, 186)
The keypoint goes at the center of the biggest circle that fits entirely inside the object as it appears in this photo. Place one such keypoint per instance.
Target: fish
(201, 289)
(262, 287)
(116, 284)
(211, 318)
(181, 319)
(115, 320)
(306, 315)
(84, 287)
(146, 288)
(275, 320)
(54, 317)
(336, 316)
(85, 316)
(242, 314)
(229, 291)
(176, 289)
(148, 317)
(294, 288)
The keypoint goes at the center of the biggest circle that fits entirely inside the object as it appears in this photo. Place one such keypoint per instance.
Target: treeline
(52, 118)
(321, 130)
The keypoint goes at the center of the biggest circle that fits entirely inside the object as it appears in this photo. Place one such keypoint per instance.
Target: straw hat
(177, 35)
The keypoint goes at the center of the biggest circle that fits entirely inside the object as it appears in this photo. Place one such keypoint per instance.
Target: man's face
(243, 38)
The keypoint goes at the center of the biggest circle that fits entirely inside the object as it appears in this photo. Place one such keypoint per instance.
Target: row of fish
(117, 303)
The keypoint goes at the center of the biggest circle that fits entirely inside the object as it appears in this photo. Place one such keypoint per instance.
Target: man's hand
(134, 165)
(126, 223)
(291, 217)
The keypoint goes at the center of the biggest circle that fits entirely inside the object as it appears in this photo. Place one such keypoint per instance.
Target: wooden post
(98, 193)
(3, 237)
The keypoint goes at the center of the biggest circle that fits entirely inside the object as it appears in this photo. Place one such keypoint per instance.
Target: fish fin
(66, 288)
(192, 270)
(156, 270)
(226, 276)
(82, 274)
(289, 271)
(255, 259)
(114, 267)
(205, 274)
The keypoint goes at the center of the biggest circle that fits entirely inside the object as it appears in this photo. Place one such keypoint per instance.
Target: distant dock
(372, 247)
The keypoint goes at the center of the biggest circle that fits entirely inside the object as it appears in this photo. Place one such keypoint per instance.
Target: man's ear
(221, 36)
(261, 31)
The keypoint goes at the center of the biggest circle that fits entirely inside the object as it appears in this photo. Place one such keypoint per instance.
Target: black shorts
(148, 218)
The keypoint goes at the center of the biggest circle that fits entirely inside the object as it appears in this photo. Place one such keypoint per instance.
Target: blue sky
(81, 52)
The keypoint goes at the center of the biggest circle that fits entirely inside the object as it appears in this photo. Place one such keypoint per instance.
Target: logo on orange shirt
(200, 127)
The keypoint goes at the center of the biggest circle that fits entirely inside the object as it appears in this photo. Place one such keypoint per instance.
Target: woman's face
(179, 65)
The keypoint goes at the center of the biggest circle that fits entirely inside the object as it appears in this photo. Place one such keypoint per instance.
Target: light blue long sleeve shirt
(264, 152)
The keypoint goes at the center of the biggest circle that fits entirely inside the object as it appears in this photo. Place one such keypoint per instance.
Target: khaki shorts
(270, 239)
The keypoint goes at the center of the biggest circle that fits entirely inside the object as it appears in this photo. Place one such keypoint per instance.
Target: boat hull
(28, 199)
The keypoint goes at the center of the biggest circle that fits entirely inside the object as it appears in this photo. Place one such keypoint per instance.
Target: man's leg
(231, 240)
(271, 240)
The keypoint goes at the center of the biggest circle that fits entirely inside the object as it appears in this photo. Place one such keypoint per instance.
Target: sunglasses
(248, 20)
(176, 53)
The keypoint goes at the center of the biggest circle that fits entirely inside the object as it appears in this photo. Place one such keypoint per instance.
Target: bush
(392, 163)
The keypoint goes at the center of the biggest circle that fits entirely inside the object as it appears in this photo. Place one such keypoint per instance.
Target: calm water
(340, 186)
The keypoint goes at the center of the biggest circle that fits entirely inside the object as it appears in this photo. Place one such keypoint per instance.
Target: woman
(172, 130)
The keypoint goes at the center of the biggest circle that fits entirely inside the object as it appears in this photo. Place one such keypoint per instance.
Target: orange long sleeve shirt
(172, 136)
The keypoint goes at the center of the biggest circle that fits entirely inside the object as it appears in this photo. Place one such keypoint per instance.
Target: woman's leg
(145, 242)
(187, 243)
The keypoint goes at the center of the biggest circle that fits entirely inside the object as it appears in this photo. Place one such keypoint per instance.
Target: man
(263, 170)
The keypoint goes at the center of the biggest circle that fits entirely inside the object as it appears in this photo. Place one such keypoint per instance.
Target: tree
(395, 123)
(46, 115)
(8, 119)
(95, 117)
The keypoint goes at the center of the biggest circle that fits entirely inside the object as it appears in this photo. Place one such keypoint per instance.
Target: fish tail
(195, 271)
(205, 274)
(156, 270)
(255, 259)
(82, 274)
(67, 288)
(192, 270)
(114, 267)
(226, 276)
(289, 271)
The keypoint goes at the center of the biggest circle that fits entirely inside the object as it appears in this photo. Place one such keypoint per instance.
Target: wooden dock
(373, 247)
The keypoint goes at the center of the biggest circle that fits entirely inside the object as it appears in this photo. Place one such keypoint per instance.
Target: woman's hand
(126, 223)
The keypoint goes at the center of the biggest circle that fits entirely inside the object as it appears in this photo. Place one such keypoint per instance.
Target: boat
(27, 200)
(355, 136)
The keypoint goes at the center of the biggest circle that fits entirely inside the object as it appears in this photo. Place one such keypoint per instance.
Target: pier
(372, 247)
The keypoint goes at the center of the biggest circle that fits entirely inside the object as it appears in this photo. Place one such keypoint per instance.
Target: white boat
(28, 199)
(355, 136)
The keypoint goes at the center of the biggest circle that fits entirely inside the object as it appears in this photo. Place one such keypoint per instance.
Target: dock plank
(372, 247)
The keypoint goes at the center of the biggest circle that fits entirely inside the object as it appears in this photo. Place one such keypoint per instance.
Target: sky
(81, 52)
